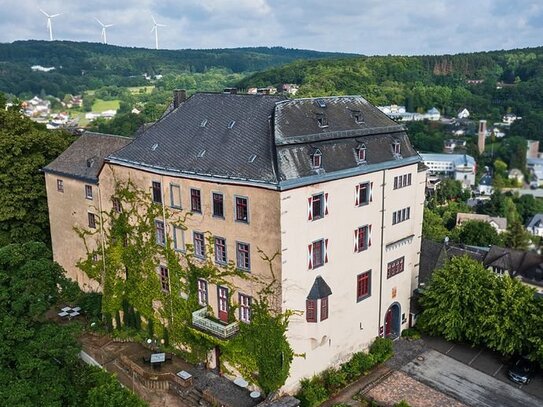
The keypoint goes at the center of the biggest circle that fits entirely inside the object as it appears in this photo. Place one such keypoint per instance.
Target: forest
(488, 84)
(81, 66)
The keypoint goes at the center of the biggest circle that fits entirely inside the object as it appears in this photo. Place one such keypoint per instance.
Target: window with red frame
(242, 210)
(324, 308)
(395, 267)
(363, 286)
(311, 310)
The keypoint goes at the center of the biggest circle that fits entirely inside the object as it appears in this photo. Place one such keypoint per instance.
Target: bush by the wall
(320, 387)
(381, 349)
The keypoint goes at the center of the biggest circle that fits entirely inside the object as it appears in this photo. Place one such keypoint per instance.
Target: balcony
(200, 320)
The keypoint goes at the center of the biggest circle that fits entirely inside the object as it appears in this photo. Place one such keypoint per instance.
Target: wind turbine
(155, 29)
(104, 27)
(49, 24)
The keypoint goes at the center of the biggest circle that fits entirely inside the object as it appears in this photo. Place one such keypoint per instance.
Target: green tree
(476, 233)
(516, 236)
(432, 226)
(457, 300)
(26, 148)
(39, 362)
(514, 313)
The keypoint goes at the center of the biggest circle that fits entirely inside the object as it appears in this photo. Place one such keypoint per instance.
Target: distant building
(463, 114)
(433, 114)
(500, 224)
(532, 150)
(290, 88)
(460, 167)
(39, 68)
(485, 185)
(535, 225)
(509, 118)
(450, 145)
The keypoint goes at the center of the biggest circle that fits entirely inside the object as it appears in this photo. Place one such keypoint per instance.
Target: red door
(388, 323)
(223, 303)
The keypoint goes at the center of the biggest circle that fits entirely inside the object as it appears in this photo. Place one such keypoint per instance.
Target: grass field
(141, 89)
(101, 105)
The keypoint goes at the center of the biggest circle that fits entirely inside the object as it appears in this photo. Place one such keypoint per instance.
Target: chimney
(179, 96)
(232, 91)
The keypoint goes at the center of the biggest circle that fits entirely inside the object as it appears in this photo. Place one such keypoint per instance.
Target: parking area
(465, 383)
(487, 362)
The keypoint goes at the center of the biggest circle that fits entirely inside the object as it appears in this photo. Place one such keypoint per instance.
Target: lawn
(100, 105)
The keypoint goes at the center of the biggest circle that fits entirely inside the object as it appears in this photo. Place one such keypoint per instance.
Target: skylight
(320, 103)
(201, 153)
(154, 147)
(252, 158)
(231, 124)
(203, 123)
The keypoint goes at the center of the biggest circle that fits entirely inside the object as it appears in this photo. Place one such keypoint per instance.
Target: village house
(329, 188)
(460, 167)
(498, 223)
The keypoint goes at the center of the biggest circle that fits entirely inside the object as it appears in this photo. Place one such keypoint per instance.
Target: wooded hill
(81, 66)
(487, 83)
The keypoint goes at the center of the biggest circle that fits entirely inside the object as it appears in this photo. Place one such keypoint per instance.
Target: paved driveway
(465, 383)
(485, 361)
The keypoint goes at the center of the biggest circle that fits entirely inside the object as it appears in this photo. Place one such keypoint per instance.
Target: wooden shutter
(356, 240)
(326, 250)
(310, 208)
(324, 308)
(369, 235)
(311, 310)
(357, 195)
(371, 192)
(310, 256)
(326, 203)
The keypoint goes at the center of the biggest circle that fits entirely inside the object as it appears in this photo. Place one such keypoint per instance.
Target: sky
(370, 27)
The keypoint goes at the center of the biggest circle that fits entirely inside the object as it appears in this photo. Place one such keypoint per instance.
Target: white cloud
(361, 26)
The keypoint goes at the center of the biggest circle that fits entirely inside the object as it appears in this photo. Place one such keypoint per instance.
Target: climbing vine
(125, 261)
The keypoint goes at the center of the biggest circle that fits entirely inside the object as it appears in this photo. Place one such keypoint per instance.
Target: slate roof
(433, 255)
(175, 142)
(319, 289)
(84, 158)
(267, 139)
(536, 221)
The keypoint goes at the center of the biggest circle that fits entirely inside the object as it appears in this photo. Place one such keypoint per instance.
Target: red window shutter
(311, 311)
(326, 250)
(356, 240)
(324, 308)
(371, 192)
(369, 235)
(326, 203)
(310, 256)
(357, 195)
(310, 208)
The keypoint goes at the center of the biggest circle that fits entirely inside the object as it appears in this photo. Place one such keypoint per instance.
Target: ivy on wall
(126, 261)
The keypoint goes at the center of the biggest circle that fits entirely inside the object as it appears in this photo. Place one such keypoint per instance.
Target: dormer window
(361, 153)
(316, 159)
(396, 147)
(357, 115)
(322, 120)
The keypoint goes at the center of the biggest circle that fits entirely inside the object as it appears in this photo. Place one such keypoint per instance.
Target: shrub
(312, 392)
(412, 333)
(381, 349)
(360, 362)
(166, 337)
(402, 403)
(91, 304)
(334, 379)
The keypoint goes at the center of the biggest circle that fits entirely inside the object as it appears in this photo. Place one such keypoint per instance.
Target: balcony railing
(200, 320)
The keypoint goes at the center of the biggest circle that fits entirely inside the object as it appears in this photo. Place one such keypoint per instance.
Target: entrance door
(223, 303)
(388, 323)
(392, 321)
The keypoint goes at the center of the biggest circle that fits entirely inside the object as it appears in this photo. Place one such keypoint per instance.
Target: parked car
(522, 370)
